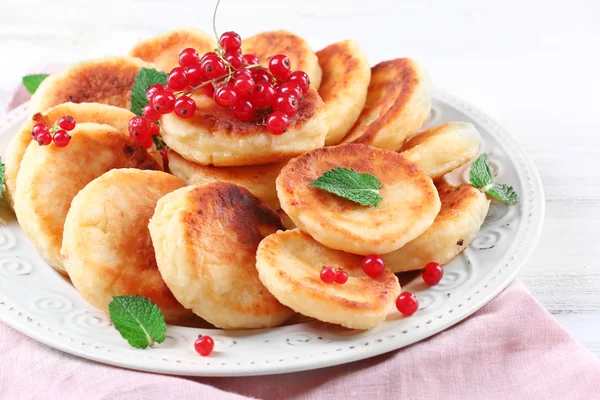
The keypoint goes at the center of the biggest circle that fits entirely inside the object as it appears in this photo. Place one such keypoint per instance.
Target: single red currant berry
(341, 277)
(277, 122)
(230, 41)
(280, 67)
(139, 126)
(243, 85)
(250, 59)
(328, 274)
(61, 138)
(373, 265)
(290, 87)
(213, 67)
(153, 90)
(210, 54)
(263, 94)
(164, 102)
(67, 123)
(225, 96)
(39, 128)
(188, 57)
(242, 72)
(407, 303)
(287, 103)
(243, 109)
(177, 79)
(204, 345)
(433, 273)
(302, 79)
(150, 113)
(261, 75)
(234, 59)
(154, 130)
(194, 74)
(164, 152)
(209, 90)
(44, 138)
(185, 107)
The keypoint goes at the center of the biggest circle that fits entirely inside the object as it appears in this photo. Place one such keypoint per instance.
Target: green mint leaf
(349, 184)
(504, 193)
(138, 320)
(32, 82)
(145, 78)
(481, 173)
(1, 178)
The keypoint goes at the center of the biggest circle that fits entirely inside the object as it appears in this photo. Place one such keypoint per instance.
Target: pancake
(267, 44)
(163, 50)
(409, 206)
(205, 239)
(213, 136)
(398, 104)
(443, 149)
(286, 220)
(464, 209)
(346, 76)
(259, 179)
(289, 264)
(50, 177)
(106, 248)
(106, 80)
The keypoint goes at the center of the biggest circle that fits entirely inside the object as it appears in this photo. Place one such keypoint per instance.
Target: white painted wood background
(532, 65)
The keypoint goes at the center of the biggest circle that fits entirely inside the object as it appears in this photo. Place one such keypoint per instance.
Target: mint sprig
(349, 184)
(138, 320)
(1, 178)
(482, 178)
(32, 82)
(145, 78)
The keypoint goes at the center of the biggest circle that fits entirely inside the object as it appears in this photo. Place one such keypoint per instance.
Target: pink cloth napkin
(510, 349)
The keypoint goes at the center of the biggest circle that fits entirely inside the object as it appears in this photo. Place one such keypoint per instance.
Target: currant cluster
(59, 133)
(330, 275)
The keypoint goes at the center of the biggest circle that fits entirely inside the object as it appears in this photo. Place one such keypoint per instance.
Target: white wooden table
(533, 65)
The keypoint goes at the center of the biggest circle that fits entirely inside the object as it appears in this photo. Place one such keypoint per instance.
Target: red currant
(150, 113)
(243, 109)
(44, 138)
(188, 57)
(194, 74)
(302, 79)
(290, 87)
(225, 96)
(185, 107)
(154, 130)
(210, 54)
(177, 79)
(280, 67)
(243, 85)
(261, 75)
(153, 90)
(230, 41)
(164, 152)
(234, 59)
(341, 277)
(242, 72)
(204, 345)
(164, 102)
(213, 67)
(373, 265)
(209, 90)
(250, 59)
(39, 128)
(287, 103)
(263, 94)
(433, 273)
(277, 122)
(67, 123)
(139, 126)
(407, 303)
(328, 274)
(61, 138)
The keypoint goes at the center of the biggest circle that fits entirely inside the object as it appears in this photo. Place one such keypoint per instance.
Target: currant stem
(215, 23)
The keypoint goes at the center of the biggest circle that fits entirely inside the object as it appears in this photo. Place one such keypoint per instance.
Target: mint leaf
(138, 320)
(482, 178)
(32, 82)
(145, 78)
(1, 178)
(349, 184)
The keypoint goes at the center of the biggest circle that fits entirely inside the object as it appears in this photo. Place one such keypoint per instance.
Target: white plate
(40, 303)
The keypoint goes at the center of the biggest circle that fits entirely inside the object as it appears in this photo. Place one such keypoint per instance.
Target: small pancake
(163, 50)
(213, 136)
(443, 149)
(107, 250)
(346, 76)
(106, 80)
(464, 209)
(398, 104)
(50, 177)
(286, 220)
(409, 206)
(259, 179)
(265, 45)
(205, 239)
(289, 265)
